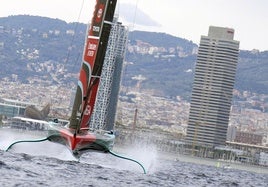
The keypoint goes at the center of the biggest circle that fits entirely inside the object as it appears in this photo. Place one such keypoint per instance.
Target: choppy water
(48, 164)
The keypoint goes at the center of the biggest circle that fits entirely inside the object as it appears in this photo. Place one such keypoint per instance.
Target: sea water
(49, 164)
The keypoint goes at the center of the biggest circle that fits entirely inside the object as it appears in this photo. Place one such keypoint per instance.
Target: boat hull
(84, 141)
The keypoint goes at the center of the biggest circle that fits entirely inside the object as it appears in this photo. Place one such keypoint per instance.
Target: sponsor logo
(87, 110)
(91, 49)
(90, 53)
(96, 29)
(99, 14)
(92, 46)
(230, 31)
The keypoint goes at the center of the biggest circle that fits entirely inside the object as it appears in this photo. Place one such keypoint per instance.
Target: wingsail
(93, 58)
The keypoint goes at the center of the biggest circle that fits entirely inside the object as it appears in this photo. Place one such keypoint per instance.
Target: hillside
(51, 49)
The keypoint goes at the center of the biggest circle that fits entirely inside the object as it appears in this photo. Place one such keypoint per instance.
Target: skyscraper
(104, 113)
(212, 88)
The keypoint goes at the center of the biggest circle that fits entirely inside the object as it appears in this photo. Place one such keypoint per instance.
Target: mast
(93, 58)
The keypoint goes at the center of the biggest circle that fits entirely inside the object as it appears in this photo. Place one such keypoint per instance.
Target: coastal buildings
(11, 108)
(212, 88)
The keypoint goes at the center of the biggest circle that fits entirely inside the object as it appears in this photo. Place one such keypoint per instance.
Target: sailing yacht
(77, 135)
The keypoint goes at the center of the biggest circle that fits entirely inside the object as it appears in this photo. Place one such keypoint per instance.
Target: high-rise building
(212, 88)
(104, 113)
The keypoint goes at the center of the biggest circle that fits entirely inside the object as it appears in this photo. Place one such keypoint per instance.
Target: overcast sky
(188, 19)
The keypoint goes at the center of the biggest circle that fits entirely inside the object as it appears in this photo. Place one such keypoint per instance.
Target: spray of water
(144, 153)
(49, 149)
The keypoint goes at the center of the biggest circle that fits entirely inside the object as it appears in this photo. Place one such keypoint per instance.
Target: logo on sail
(99, 13)
(87, 110)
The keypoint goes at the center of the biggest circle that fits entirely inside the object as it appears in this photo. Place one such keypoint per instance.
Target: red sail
(94, 33)
(97, 68)
(80, 107)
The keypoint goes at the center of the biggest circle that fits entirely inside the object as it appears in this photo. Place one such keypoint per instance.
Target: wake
(44, 148)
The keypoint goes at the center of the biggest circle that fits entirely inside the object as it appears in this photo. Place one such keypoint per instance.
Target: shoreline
(224, 164)
(214, 162)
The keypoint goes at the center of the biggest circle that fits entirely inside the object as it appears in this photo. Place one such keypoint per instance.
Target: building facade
(11, 108)
(104, 113)
(212, 88)
(248, 138)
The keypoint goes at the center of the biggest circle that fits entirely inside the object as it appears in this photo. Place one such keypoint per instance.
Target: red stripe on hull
(77, 141)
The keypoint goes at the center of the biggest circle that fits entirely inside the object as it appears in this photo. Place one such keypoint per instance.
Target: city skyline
(212, 88)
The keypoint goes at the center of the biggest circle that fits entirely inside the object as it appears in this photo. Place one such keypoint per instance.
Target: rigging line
(75, 29)
(135, 14)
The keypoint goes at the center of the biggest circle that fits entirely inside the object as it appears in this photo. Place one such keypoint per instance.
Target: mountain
(51, 50)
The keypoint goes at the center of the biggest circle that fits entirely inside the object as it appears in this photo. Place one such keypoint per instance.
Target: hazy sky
(188, 19)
